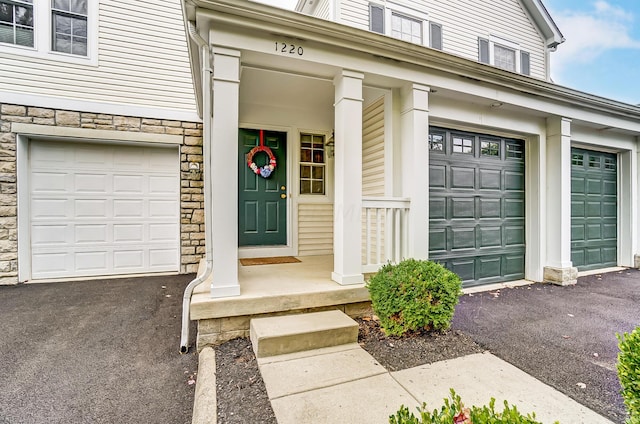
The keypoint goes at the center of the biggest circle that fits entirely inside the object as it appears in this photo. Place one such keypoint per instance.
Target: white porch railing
(385, 231)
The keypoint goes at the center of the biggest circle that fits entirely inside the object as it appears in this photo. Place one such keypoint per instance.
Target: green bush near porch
(414, 295)
(629, 372)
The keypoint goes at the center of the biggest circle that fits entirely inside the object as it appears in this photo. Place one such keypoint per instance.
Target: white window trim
(42, 39)
(391, 8)
(495, 39)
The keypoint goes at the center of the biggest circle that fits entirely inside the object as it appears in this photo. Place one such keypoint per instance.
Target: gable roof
(537, 11)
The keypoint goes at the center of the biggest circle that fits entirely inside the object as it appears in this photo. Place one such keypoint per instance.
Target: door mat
(269, 261)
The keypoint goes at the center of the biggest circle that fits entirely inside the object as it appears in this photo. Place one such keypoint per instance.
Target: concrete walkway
(346, 384)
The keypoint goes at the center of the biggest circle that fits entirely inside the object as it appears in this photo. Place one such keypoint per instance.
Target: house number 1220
(289, 48)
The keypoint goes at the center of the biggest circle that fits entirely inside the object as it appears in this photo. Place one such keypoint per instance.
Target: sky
(601, 54)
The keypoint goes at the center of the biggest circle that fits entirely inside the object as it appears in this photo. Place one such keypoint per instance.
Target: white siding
(315, 229)
(463, 21)
(142, 61)
(373, 149)
(322, 10)
(372, 169)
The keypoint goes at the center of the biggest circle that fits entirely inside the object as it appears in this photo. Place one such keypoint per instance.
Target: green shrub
(453, 411)
(629, 372)
(414, 295)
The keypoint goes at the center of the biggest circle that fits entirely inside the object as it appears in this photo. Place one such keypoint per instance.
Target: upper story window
(69, 26)
(405, 28)
(503, 54)
(16, 22)
(405, 24)
(62, 30)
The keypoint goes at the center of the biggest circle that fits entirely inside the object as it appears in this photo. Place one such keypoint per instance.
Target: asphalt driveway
(103, 351)
(564, 336)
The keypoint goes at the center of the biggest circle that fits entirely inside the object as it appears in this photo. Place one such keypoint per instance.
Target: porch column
(223, 172)
(347, 210)
(415, 157)
(559, 268)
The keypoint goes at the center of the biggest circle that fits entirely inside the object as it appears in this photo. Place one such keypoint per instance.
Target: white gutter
(205, 65)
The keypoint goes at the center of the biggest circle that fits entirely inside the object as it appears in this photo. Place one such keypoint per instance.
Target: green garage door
(594, 209)
(476, 205)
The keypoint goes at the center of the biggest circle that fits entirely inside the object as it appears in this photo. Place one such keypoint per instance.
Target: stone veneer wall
(191, 184)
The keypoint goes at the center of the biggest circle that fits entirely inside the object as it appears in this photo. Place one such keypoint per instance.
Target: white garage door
(103, 209)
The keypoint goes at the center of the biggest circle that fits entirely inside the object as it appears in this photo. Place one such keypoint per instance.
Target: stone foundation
(215, 331)
(560, 276)
(191, 183)
(636, 261)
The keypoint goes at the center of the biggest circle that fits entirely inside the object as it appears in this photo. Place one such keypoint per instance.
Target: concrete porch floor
(278, 289)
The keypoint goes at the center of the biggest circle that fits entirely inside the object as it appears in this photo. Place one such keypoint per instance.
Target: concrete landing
(294, 333)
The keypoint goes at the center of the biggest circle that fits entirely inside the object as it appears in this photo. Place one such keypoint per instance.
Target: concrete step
(295, 333)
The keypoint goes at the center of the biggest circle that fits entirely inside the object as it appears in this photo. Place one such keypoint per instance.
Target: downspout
(205, 64)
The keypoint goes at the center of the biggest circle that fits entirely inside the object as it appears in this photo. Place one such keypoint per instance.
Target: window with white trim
(312, 164)
(503, 54)
(62, 30)
(406, 28)
(16, 22)
(69, 26)
(404, 23)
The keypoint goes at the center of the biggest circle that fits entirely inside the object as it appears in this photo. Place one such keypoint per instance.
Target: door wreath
(266, 170)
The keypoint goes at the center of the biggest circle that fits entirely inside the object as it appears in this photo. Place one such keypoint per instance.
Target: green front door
(476, 205)
(594, 209)
(262, 202)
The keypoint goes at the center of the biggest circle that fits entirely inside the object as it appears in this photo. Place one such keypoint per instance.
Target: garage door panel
(43, 208)
(577, 233)
(128, 208)
(577, 185)
(462, 177)
(90, 208)
(490, 236)
(91, 261)
(48, 182)
(462, 208)
(489, 267)
(476, 217)
(91, 183)
(490, 208)
(127, 260)
(160, 259)
(437, 176)
(609, 231)
(513, 208)
(594, 232)
(102, 209)
(126, 233)
(465, 268)
(437, 208)
(609, 209)
(437, 240)
(610, 188)
(162, 185)
(490, 179)
(513, 181)
(594, 186)
(90, 233)
(609, 254)
(514, 236)
(162, 232)
(51, 264)
(463, 238)
(577, 208)
(128, 184)
(42, 235)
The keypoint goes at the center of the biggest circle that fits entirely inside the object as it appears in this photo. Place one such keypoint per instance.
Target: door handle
(283, 188)
(283, 196)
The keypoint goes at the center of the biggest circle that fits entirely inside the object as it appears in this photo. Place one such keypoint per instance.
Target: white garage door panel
(103, 209)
